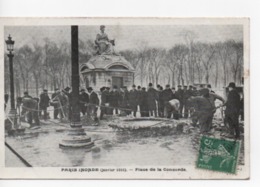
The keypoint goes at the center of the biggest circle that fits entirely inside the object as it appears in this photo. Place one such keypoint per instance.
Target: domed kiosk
(106, 68)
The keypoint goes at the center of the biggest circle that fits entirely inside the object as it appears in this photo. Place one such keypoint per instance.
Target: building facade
(107, 70)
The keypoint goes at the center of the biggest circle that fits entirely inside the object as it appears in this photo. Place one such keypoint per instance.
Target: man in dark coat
(186, 95)
(195, 92)
(133, 99)
(115, 96)
(6, 99)
(204, 110)
(109, 109)
(125, 101)
(30, 106)
(83, 101)
(167, 95)
(93, 103)
(55, 103)
(44, 103)
(232, 110)
(143, 103)
(26, 95)
(103, 102)
(67, 92)
(210, 89)
(152, 96)
(160, 101)
(200, 89)
(139, 92)
(179, 95)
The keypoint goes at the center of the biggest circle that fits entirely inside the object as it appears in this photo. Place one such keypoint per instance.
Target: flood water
(116, 149)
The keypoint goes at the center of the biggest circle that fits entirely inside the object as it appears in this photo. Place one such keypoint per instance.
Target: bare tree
(189, 37)
(172, 63)
(237, 63)
(24, 60)
(179, 53)
(224, 51)
(155, 58)
(37, 62)
(207, 52)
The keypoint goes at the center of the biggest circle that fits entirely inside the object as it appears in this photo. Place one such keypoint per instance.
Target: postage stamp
(218, 154)
(124, 98)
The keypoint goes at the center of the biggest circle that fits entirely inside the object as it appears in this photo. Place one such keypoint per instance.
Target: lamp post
(77, 138)
(10, 47)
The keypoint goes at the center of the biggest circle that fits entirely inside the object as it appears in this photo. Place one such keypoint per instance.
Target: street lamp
(10, 48)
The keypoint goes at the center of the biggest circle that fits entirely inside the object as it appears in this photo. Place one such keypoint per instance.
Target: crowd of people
(185, 102)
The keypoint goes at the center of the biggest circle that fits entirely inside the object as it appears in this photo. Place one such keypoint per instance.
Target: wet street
(40, 147)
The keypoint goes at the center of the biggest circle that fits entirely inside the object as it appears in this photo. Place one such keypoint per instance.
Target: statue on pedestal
(103, 44)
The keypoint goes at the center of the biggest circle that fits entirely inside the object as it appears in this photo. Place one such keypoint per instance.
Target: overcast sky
(127, 37)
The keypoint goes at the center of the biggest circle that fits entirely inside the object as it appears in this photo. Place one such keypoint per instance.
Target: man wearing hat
(93, 103)
(26, 95)
(200, 88)
(152, 97)
(67, 92)
(44, 103)
(124, 104)
(55, 103)
(115, 96)
(143, 103)
(204, 110)
(232, 110)
(179, 95)
(139, 95)
(109, 110)
(167, 95)
(133, 100)
(186, 96)
(103, 102)
(6, 99)
(210, 89)
(195, 92)
(160, 101)
(83, 101)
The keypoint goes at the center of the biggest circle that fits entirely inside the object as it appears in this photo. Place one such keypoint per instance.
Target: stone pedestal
(76, 138)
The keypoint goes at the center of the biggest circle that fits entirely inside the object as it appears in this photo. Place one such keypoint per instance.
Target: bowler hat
(179, 86)
(150, 84)
(232, 85)
(167, 86)
(133, 86)
(25, 93)
(89, 88)
(67, 89)
(45, 90)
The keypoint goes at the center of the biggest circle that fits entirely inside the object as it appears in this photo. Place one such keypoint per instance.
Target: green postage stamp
(218, 154)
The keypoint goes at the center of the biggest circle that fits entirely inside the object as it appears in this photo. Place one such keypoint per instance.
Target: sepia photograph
(126, 98)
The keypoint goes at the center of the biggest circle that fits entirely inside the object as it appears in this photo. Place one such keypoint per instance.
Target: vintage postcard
(124, 98)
